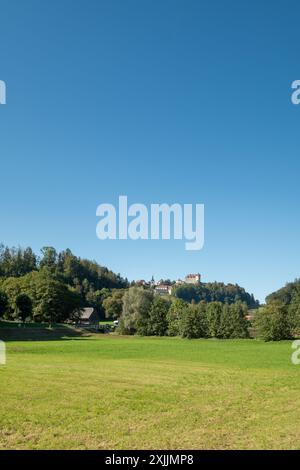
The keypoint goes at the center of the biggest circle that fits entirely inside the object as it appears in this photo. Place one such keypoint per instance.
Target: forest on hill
(215, 292)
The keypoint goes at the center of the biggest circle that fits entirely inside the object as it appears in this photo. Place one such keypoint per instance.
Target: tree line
(145, 313)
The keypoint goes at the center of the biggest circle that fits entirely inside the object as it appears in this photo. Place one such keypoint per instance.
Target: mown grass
(112, 392)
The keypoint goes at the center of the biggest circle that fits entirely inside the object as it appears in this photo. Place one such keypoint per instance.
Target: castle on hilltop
(193, 279)
(162, 287)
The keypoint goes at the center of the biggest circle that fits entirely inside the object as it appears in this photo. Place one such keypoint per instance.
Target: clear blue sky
(164, 101)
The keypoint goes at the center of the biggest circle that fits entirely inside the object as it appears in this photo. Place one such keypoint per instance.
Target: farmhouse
(89, 316)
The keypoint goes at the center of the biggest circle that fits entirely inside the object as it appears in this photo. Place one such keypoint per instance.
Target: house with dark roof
(89, 316)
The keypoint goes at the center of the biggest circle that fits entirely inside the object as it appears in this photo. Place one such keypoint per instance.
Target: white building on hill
(193, 279)
(163, 289)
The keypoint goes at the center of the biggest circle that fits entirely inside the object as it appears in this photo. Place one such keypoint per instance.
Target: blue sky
(163, 101)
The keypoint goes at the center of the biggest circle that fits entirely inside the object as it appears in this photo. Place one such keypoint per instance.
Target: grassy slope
(116, 392)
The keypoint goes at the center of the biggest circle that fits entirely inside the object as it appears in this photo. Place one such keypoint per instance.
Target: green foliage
(174, 317)
(96, 299)
(136, 311)
(158, 323)
(68, 268)
(16, 262)
(294, 312)
(288, 297)
(23, 307)
(233, 323)
(286, 294)
(214, 317)
(272, 322)
(214, 292)
(56, 302)
(113, 304)
(187, 292)
(51, 299)
(147, 315)
(194, 322)
(49, 258)
(78, 280)
(87, 275)
(12, 287)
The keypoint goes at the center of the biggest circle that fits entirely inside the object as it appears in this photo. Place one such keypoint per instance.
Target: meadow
(114, 392)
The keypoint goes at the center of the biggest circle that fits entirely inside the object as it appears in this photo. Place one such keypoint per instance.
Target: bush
(272, 322)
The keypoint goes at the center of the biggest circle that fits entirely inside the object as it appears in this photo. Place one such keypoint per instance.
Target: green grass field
(112, 392)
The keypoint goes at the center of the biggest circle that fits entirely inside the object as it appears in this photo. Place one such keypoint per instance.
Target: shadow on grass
(42, 334)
